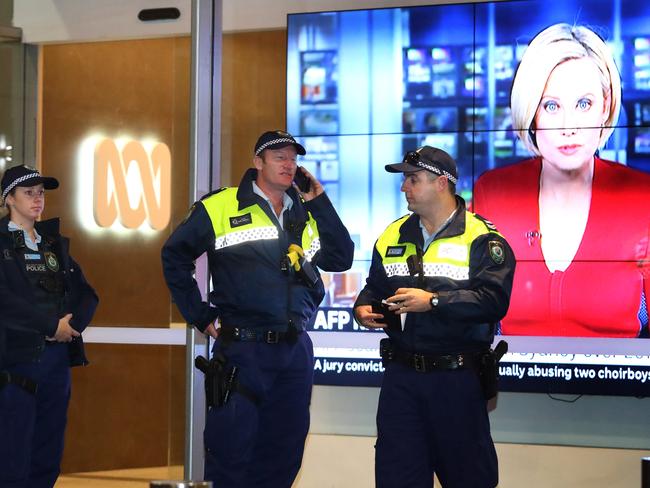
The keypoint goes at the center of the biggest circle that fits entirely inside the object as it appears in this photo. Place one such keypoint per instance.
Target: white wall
(257, 14)
(45, 21)
(93, 20)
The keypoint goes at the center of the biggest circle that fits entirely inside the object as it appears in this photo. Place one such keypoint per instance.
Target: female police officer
(46, 303)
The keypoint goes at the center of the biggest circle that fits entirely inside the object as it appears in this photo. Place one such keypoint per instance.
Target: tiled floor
(123, 478)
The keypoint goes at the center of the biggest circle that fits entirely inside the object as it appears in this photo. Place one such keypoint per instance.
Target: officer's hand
(211, 331)
(410, 300)
(365, 317)
(315, 188)
(64, 331)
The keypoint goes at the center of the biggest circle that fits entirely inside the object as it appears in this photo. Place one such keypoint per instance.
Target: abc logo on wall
(131, 183)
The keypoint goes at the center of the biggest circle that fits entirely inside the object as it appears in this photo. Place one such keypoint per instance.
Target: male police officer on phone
(264, 241)
(448, 274)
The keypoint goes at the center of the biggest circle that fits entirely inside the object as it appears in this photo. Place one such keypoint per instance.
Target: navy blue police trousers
(434, 422)
(32, 426)
(250, 445)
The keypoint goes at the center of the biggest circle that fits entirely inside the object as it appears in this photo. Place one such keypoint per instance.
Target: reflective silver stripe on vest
(313, 249)
(396, 269)
(430, 269)
(256, 234)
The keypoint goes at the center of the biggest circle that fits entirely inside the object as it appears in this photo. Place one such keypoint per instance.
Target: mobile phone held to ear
(302, 182)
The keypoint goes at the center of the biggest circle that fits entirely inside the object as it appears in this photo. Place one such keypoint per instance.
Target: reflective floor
(123, 478)
(347, 461)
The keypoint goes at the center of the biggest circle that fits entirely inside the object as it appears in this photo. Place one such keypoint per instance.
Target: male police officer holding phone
(448, 273)
(264, 241)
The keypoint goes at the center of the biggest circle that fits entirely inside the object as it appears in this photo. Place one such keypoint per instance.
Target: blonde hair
(550, 48)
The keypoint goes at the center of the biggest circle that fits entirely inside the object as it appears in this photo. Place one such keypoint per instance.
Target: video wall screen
(560, 163)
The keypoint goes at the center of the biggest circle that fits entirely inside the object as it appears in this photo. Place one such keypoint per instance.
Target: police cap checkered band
(434, 169)
(277, 139)
(25, 176)
(428, 158)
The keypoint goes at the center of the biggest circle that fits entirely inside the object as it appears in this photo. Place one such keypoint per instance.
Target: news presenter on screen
(578, 224)
(46, 303)
(254, 235)
(432, 413)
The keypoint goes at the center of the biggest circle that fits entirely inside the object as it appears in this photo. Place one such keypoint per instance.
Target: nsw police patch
(51, 261)
(497, 252)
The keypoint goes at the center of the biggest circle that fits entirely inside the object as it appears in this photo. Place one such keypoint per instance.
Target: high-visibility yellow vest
(446, 257)
(233, 226)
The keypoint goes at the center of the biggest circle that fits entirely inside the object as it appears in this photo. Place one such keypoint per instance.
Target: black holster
(489, 369)
(385, 351)
(219, 379)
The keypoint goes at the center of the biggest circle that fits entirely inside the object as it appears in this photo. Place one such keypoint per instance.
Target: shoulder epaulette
(213, 192)
(193, 207)
(490, 226)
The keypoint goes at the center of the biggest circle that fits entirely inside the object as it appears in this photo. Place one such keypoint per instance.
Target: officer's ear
(442, 183)
(9, 200)
(258, 162)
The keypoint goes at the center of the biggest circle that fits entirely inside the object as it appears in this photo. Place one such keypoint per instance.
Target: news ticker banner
(536, 372)
(347, 354)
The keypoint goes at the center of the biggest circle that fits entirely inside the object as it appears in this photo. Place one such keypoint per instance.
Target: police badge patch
(51, 261)
(497, 252)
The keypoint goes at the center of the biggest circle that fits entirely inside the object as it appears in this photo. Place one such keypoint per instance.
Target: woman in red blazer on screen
(579, 225)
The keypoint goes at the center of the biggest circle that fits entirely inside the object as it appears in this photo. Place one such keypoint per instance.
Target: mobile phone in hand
(391, 319)
(302, 182)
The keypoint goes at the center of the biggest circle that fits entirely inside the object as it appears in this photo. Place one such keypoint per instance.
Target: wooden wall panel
(127, 409)
(124, 410)
(141, 89)
(253, 95)
(177, 406)
(135, 89)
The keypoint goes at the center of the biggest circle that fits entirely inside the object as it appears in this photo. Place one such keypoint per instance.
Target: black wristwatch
(434, 300)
